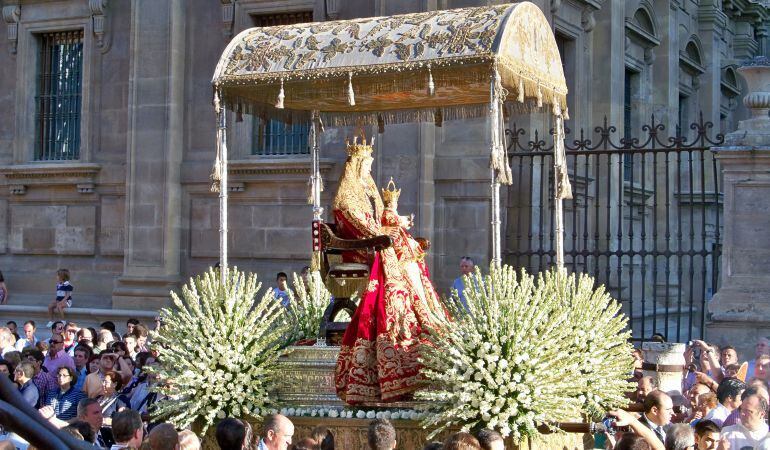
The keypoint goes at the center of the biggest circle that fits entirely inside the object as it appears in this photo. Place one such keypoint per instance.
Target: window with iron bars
(58, 99)
(274, 138)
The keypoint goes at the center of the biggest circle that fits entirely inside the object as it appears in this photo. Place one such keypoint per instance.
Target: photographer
(626, 419)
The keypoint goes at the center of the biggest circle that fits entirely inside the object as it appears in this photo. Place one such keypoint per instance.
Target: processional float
(432, 66)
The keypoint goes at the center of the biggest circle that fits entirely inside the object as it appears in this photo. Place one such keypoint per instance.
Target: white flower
(514, 388)
(334, 413)
(221, 414)
(360, 414)
(370, 415)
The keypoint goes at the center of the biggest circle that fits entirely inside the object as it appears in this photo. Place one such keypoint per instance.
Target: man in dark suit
(658, 409)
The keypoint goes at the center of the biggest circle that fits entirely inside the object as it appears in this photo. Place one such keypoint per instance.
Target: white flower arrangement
(307, 305)
(526, 353)
(218, 350)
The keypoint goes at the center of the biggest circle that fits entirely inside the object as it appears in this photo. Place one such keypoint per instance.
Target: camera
(609, 425)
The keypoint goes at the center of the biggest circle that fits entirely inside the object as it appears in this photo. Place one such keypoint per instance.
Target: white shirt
(739, 436)
(22, 343)
(718, 414)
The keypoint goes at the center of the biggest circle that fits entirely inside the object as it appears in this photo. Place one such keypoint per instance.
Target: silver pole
(222, 142)
(559, 167)
(315, 177)
(494, 142)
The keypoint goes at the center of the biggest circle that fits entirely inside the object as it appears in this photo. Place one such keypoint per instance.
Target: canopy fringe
(388, 117)
(524, 86)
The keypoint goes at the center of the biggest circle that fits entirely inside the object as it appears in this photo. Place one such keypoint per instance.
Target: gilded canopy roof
(423, 61)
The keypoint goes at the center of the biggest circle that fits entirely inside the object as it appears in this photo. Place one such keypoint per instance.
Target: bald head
(277, 432)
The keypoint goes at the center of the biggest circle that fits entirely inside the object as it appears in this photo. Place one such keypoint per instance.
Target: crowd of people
(94, 384)
(278, 434)
(723, 404)
(97, 385)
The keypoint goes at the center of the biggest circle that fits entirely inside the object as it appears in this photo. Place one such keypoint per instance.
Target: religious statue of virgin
(378, 356)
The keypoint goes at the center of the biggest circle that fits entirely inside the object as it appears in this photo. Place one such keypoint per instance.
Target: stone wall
(134, 216)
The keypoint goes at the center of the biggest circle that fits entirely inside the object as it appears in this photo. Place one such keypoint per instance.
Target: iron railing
(59, 96)
(645, 219)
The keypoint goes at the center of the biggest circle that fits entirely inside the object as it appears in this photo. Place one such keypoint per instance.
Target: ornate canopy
(399, 68)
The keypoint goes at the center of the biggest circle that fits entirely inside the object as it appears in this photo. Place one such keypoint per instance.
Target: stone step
(79, 300)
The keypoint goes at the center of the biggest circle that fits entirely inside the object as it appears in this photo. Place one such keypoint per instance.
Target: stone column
(151, 266)
(741, 308)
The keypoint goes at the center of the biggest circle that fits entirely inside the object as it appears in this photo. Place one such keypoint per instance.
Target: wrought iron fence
(645, 219)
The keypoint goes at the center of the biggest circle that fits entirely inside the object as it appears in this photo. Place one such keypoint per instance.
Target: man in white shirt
(277, 432)
(729, 398)
(752, 428)
(29, 339)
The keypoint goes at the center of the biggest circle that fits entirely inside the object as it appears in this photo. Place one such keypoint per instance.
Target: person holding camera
(639, 431)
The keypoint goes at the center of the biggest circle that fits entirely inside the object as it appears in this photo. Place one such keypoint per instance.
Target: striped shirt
(45, 383)
(65, 404)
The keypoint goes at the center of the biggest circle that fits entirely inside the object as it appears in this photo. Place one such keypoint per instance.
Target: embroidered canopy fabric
(401, 68)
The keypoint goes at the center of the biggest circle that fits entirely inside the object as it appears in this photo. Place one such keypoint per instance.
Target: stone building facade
(118, 189)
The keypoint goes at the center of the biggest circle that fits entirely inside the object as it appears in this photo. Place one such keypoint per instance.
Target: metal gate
(645, 219)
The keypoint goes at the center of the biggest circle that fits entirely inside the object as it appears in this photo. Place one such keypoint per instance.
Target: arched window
(693, 52)
(643, 19)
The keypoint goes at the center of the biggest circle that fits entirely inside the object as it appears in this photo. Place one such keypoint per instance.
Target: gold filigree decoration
(447, 33)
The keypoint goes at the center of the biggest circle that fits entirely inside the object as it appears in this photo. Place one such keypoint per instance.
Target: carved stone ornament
(11, 15)
(228, 17)
(98, 9)
(587, 20)
(82, 176)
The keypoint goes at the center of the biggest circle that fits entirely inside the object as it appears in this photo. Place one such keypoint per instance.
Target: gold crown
(391, 193)
(362, 149)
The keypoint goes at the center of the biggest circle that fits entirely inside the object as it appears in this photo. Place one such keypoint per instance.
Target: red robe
(378, 356)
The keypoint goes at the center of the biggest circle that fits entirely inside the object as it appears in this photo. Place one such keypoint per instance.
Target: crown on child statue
(390, 194)
(362, 149)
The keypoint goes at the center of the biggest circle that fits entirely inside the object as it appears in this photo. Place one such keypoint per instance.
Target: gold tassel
(521, 91)
(281, 96)
(216, 174)
(351, 94)
(431, 85)
(438, 117)
(539, 97)
(566, 113)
